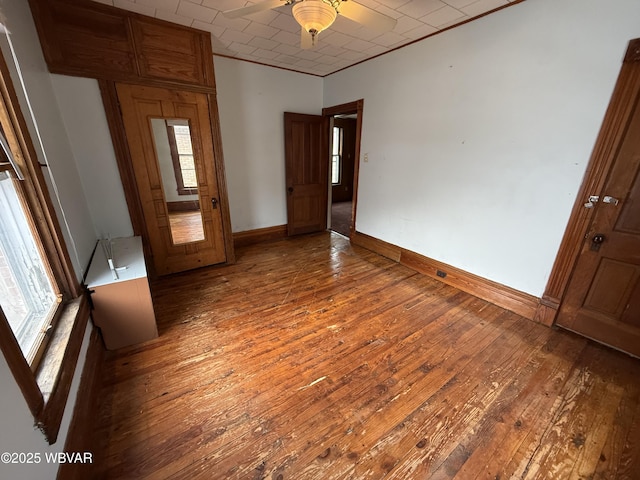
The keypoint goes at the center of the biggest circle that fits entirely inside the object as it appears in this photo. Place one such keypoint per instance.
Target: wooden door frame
(614, 125)
(127, 176)
(348, 109)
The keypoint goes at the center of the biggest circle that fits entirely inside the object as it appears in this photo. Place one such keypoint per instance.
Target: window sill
(55, 374)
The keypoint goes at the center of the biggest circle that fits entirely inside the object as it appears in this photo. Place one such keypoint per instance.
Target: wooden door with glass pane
(171, 147)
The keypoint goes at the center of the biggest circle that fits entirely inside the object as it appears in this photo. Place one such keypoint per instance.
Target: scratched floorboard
(312, 359)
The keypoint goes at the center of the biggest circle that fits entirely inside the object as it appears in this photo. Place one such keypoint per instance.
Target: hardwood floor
(313, 359)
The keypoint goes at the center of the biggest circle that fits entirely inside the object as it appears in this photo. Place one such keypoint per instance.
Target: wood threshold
(506, 297)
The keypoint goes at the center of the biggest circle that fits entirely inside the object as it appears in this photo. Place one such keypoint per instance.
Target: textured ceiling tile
(286, 22)
(305, 64)
(242, 48)
(358, 45)
(324, 69)
(376, 50)
(222, 5)
(364, 33)
(389, 12)
(406, 23)
(344, 25)
(262, 42)
(166, 5)
(287, 37)
(354, 56)
(287, 49)
(420, 8)
(287, 59)
(459, 3)
(482, 6)
(390, 39)
(329, 50)
(235, 36)
(336, 39)
(268, 54)
(393, 3)
(173, 18)
(262, 30)
(233, 23)
(374, 4)
(421, 32)
(327, 60)
(265, 36)
(265, 17)
(215, 30)
(309, 54)
(443, 16)
(134, 7)
(197, 12)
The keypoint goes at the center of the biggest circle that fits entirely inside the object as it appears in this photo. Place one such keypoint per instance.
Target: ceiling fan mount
(314, 16)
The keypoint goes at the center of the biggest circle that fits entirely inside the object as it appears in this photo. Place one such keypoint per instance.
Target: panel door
(603, 297)
(306, 160)
(169, 138)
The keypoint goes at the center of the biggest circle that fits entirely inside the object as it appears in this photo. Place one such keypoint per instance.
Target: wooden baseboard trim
(547, 311)
(508, 298)
(381, 247)
(80, 434)
(251, 237)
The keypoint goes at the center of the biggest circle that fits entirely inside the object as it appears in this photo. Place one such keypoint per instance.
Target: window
(28, 295)
(336, 156)
(184, 165)
(42, 312)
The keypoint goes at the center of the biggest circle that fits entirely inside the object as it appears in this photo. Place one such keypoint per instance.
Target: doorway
(345, 127)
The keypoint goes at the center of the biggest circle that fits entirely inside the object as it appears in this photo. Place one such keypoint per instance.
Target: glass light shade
(314, 15)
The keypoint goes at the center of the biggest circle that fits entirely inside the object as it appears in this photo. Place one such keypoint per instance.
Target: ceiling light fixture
(315, 15)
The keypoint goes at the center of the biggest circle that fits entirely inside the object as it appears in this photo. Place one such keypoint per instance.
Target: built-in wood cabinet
(88, 39)
(84, 38)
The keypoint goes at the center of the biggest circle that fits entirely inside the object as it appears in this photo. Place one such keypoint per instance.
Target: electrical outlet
(365, 158)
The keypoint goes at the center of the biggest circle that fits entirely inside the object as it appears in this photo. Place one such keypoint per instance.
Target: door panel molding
(614, 125)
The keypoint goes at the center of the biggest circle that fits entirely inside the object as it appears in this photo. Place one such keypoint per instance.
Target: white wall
(478, 137)
(85, 122)
(252, 100)
(18, 432)
(16, 422)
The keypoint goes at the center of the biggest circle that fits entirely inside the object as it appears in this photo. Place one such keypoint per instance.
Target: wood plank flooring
(313, 359)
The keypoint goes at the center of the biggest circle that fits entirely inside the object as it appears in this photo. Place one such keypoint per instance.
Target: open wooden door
(602, 300)
(171, 146)
(307, 166)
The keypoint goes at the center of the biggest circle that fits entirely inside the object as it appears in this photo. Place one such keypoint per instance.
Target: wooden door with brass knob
(171, 147)
(306, 167)
(602, 300)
